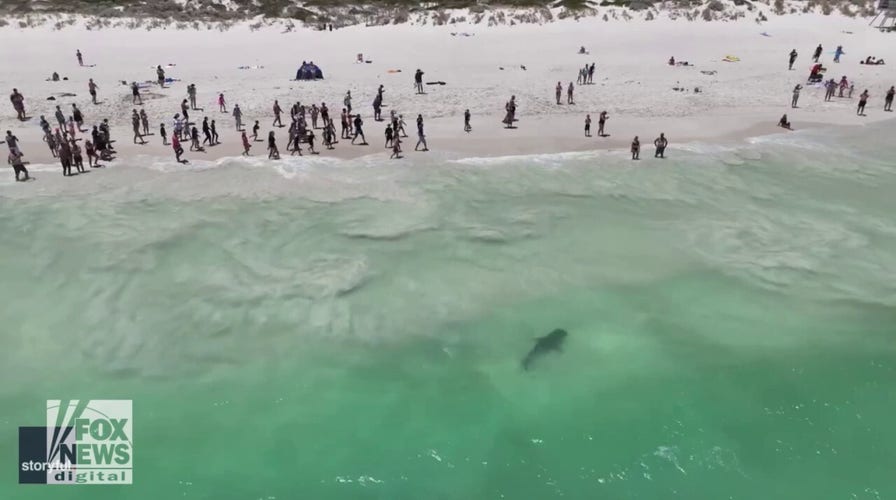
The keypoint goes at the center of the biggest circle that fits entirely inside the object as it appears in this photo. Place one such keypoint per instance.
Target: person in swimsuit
(18, 166)
(277, 111)
(559, 92)
(888, 100)
(793, 55)
(144, 120)
(636, 149)
(135, 94)
(467, 127)
(246, 145)
(358, 131)
(80, 57)
(163, 134)
(178, 150)
(601, 123)
(863, 100)
(160, 75)
(91, 87)
(222, 104)
(587, 125)
(660, 143)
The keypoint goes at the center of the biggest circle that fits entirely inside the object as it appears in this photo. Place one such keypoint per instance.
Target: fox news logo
(84, 442)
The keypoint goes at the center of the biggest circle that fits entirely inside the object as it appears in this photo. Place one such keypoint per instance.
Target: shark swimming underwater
(544, 345)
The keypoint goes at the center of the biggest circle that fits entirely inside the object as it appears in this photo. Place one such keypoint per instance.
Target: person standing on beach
(467, 127)
(135, 94)
(222, 104)
(310, 140)
(796, 95)
(178, 150)
(837, 53)
(324, 114)
(296, 144)
(185, 109)
(601, 122)
(569, 99)
(144, 120)
(135, 123)
(80, 57)
(817, 53)
(246, 145)
(160, 75)
(418, 81)
(18, 166)
(347, 101)
(65, 158)
(660, 144)
(863, 100)
(829, 89)
(559, 92)
(277, 111)
(388, 136)
(591, 74)
(238, 117)
(345, 124)
(214, 133)
(163, 134)
(888, 100)
(77, 159)
(18, 103)
(358, 131)
(793, 56)
(273, 152)
(78, 116)
(60, 117)
(91, 87)
(191, 93)
(587, 125)
(377, 108)
(636, 149)
(178, 126)
(92, 160)
(396, 149)
(207, 132)
(12, 142)
(194, 140)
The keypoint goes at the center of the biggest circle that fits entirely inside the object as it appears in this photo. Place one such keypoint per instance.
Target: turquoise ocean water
(354, 330)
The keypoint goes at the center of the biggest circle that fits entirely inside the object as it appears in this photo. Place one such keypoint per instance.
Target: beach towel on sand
(731, 59)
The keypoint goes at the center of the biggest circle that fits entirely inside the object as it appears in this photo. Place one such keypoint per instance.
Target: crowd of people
(65, 144)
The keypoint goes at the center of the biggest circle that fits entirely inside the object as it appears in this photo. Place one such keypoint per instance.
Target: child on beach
(255, 130)
(246, 145)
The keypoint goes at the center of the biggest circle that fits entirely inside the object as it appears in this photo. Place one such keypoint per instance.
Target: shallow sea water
(730, 314)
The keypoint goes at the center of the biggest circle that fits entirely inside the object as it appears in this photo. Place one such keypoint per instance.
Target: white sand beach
(481, 70)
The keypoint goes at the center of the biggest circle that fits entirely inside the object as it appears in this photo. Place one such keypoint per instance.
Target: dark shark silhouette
(544, 345)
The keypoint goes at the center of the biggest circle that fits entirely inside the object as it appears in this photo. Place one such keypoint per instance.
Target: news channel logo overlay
(84, 442)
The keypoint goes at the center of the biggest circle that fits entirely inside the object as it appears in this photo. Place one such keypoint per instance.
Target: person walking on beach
(296, 140)
(18, 104)
(277, 111)
(207, 132)
(467, 127)
(273, 152)
(310, 140)
(178, 150)
(396, 149)
(255, 129)
(388, 136)
(358, 131)
(863, 100)
(160, 76)
(636, 149)
(793, 56)
(135, 123)
(829, 86)
(238, 117)
(80, 57)
(796, 95)
(558, 91)
(92, 160)
(569, 99)
(888, 100)
(421, 137)
(18, 166)
(587, 125)
(660, 144)
(178, 126)
(400, 129)
(91, 87)
(817, 53)
(325, 114)
(222, 104)
(185, 109)
(418, 81)
(135, 94)
(246, 145)
(591, 74)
